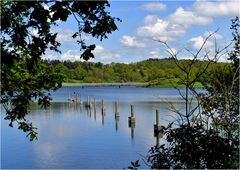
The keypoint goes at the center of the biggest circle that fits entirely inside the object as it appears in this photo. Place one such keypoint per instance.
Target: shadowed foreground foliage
(24, 76)
(194, 147)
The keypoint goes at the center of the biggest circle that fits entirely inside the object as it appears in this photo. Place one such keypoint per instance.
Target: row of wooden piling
(131, 118)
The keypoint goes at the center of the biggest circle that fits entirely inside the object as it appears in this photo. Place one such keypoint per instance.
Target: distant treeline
(158, 72)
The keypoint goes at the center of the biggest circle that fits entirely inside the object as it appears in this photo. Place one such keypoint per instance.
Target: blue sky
(182, 24)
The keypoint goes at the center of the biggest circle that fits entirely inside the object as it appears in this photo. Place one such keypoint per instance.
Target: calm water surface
(72, 136)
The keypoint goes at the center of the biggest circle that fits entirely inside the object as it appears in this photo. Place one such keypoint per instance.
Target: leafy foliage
(210, 138)
(193, 147)
(221, 104)
(134, 165)
(158, 72)
(25, 77)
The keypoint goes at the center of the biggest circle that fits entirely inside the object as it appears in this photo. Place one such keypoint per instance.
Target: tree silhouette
(25, 77)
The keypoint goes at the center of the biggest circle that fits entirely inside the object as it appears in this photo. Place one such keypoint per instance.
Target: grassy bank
(107, 84)
(170, 83)
(161, 83)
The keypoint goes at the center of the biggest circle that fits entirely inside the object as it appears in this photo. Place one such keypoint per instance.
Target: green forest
(157, 72)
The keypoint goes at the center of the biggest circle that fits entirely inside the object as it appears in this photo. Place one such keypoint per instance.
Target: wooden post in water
(102, 115)
(116, 122)
(157, 117)
(116, 110)
(157, 140)
(157, 127)
(131, 122)
(132, 132)
(157, 130)
(94, 107)
(94, 103)
(102, 108)
(131, 119)
(88, 101)
(132, 111)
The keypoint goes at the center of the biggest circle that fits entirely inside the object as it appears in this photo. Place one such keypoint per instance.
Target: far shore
(137, 84)
(107, 84)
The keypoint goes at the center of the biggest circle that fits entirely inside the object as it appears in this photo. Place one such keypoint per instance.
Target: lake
(73, 136)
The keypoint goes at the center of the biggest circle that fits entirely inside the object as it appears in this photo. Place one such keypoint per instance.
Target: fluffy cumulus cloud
(159, 28)
(131, 42)
(98, 49)
(177, 23)
(172, 26)
(218, 8)
(187, 18)
(71, 55)
(64, 35)
(154, 6)
(103, 55)
(100, 54)
(151, 53)
(197, 42)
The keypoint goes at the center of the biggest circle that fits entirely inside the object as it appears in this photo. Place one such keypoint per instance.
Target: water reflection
(116, 122)
(103, 114)
(131, 125)
(75, 136)
(77, 107)
(95, 113)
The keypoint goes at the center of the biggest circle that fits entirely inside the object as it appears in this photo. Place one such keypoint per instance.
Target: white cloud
(188, 18)
(100, 54)
(131, 42)
(154, 6)
(171, 52)
(150, 19)
(98, 49)
(173, 26)
(51, 57)
(104, 55)
(215, 35)
(218, 8)
(159, 29)
(153, 27)
(64, 35)
(71, 55)
(154, 54)
(197, 42)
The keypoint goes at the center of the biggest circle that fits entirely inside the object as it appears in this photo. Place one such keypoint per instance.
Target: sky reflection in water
(72, 136)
